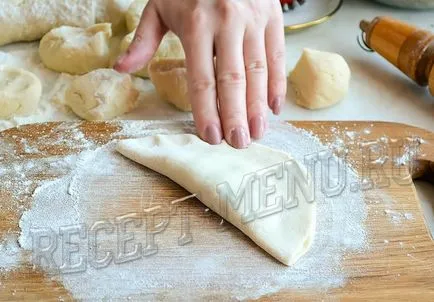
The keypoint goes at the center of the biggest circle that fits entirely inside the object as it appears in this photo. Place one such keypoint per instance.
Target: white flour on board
(91, 190)
(10, 254)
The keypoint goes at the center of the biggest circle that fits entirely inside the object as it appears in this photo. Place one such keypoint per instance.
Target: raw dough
(115, 49)
(201, 168)
(29, 20)
(170, 47)
(101, 11)
(20, 91)
(320, 79)
(102, 94)
(169, 77)
(76, 50)
(134, 13)
(116, 15)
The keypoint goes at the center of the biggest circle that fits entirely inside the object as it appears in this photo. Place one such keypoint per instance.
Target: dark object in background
(290, 4)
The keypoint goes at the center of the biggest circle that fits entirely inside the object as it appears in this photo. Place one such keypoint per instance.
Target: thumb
(145, 43)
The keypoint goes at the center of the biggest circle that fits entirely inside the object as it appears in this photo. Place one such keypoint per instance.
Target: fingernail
(213, 135)
(239, 138)
(276, 105)
(257, 127)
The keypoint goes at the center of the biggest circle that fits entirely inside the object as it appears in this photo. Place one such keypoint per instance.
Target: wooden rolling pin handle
(408, 48)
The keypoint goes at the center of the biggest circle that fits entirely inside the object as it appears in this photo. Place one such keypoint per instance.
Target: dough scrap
(134, 14)
(320, 79)
(102, 94)
(202, 169)
(76, 50)
(169, 77)
(170, 47)
(29, 20)
(20, 91)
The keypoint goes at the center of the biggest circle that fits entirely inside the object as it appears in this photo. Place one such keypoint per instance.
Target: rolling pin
(405, 46)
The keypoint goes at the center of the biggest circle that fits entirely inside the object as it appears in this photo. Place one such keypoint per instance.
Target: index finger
(147, 38)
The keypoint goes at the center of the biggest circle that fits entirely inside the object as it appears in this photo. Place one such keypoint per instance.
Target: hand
(229, 99)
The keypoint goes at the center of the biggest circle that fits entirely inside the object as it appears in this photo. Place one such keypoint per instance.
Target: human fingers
(231, 76)
(275, 48)
(255, 60)
(198, 42)
(146, 40)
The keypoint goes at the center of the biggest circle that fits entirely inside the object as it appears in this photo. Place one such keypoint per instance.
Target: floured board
(396, 264)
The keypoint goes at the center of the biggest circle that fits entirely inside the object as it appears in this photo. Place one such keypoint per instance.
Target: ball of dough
(169, 77)
(76, 50)
(320, 79)
(170, 48)
(134, 14)
(20, 91)
(102, 94)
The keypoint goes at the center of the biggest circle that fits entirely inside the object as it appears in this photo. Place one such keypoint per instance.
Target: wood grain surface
(385, 272)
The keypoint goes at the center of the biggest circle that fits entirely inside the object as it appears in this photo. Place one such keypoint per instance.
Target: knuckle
(277, 57)
(231, 78)
(257, 66)
(256, 14)
(202, 85)
(197, 20)
(226, 9)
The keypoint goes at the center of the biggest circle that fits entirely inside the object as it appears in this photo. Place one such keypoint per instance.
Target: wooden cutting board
(381, 263)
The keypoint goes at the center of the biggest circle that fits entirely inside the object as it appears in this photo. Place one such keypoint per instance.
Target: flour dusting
(88, 193)
(10, 254)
